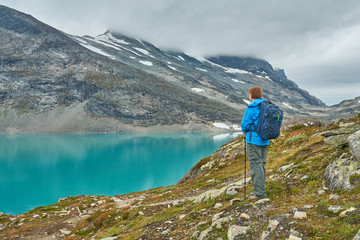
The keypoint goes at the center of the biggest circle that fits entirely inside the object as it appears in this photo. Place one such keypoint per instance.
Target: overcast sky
(317, 43)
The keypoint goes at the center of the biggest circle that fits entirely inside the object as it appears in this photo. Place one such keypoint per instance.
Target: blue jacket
(251, 115)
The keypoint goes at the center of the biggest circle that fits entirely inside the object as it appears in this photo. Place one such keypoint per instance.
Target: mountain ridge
(120, 84)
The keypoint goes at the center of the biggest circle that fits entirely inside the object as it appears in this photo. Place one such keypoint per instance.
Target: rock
(335, 208)
(320, 192)
(341, 131)
(216, 217)
(295, 235)
(218, 205)
(264, 235)
(236, 232)
(308, 206)
(220, 222)
(354, 144)
(203, 234)
(234, 200)
(346, 124)
(141, 213)
(232, 191)
(337, 140)
(36, 216)
(214, 193)
(304, 177)
(245, 216)
(300, 215)
(343, 213)
(272, 225)
(334, 197)
(165, 232)
(338, 173)
(195, 235)
(291, 237)
(109, 238)
(286, 167)
(182, 216)
(65, 231)
(357, 236)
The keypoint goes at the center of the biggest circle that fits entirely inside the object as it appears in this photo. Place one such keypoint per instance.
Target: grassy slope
(170, 212)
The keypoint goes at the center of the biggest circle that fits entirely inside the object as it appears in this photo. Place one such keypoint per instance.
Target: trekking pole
(245, 171)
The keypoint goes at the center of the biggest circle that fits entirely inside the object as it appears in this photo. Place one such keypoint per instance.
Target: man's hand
(244, 133)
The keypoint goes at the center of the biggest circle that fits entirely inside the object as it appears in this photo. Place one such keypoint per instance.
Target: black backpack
(270, 119)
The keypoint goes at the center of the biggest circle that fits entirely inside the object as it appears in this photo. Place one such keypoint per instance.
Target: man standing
(256, 147)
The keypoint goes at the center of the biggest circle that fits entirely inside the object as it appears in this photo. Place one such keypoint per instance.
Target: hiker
(256, 147)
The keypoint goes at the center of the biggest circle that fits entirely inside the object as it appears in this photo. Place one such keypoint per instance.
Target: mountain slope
(54, 82)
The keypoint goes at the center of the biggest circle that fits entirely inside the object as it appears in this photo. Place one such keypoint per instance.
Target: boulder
(337, 140)
(237, 232)
(335, 208)
(338, 173)
(341, 131)
(357, 236)
(340, 136)
(300, 215)
(354, 144)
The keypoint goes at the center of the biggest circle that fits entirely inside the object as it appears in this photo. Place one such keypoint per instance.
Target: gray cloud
(316, 42)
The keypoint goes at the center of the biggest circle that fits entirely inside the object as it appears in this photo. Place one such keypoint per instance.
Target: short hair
(255, 92)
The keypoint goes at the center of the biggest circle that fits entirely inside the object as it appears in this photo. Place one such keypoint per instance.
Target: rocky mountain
(51, 81)
(313, 185)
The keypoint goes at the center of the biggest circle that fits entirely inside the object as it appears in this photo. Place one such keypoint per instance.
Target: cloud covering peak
(316, 42)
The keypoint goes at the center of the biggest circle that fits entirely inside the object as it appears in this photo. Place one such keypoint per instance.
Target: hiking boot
(252, 196)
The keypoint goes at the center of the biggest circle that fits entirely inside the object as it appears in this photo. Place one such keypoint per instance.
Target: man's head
(255, 92)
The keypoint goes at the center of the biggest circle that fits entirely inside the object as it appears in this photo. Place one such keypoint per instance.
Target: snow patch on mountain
(235, 70)
(171, 67)
(201, 69)
(143, 51)
(181, 58)
(115, 40)
(97, 50)
(287, 105)
(221, 125)
(101, 39)
(198, 90)
(238, 81)
(147, 63)
(247, 101)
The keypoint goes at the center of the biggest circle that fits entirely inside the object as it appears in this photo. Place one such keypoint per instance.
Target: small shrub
(294, 139)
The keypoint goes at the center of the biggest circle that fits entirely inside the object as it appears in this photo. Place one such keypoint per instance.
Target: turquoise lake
(37, 170)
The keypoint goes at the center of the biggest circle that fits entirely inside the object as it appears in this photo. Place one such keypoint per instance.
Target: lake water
(37, 170)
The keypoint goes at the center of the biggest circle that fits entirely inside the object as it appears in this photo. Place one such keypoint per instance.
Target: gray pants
(257, 159)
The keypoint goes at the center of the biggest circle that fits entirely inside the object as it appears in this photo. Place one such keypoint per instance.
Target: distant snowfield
(143, 51)
(247, 101)
(181, 58)
(221, 125)
(201, 69)
(114, 39)
(287, 105)
(97, 50)
(198, 90)
(147, 63)
(238, 81)
(171, 67)
(236, 127)
(234, 70)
